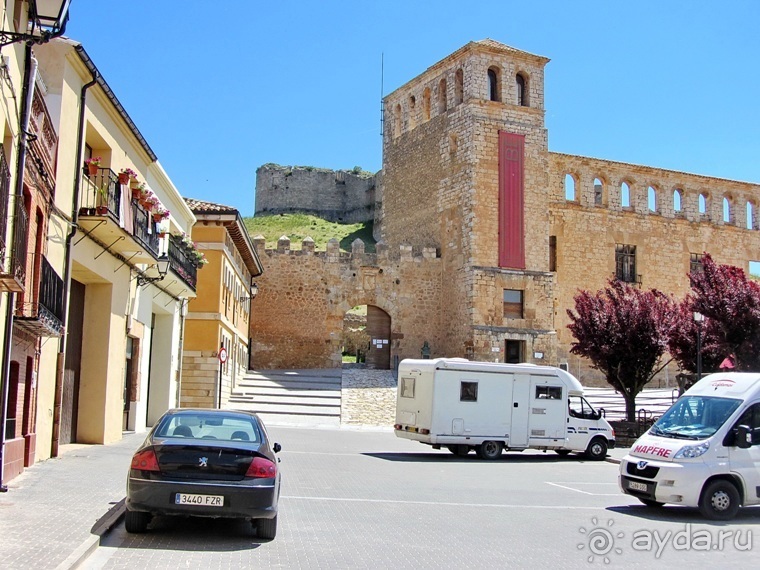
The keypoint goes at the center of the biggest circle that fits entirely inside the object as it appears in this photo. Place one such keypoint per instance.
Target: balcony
(181, 264)
(43, 316)
(120, 224)
(13, 266)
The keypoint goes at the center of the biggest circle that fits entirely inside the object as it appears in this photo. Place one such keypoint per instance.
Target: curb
(612, 460)
(104, 524)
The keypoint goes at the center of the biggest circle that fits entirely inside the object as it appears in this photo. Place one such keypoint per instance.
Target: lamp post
(162, 265)
(47, 20)
(699, 318)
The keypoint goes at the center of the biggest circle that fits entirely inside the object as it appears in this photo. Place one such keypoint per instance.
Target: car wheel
(459, 450)
(597, 449)
(490, 449)
(651, 503)
(562, 452)
(266, 528)
(136, 521)
(719, 501)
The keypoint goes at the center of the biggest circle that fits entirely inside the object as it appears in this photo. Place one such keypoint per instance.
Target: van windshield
(695, 417)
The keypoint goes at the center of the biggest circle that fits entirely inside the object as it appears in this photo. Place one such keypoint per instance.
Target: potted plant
(126, 174)
(160, 213)
(102, 207)
(93, 165)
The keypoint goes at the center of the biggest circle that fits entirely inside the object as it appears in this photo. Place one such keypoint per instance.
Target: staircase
(291, 397)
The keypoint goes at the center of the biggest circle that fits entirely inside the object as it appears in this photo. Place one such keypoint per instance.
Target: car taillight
(145, 460)
(262, 467)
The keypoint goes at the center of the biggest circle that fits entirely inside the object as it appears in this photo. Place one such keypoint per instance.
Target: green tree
(623, 331)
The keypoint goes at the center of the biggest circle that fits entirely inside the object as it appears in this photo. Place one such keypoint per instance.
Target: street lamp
(699, 318)
(45, 20)
(162, 265)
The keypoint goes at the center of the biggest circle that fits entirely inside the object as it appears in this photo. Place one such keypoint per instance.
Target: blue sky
(218, 92)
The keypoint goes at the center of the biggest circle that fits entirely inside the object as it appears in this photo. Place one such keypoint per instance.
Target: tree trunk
(630, 407)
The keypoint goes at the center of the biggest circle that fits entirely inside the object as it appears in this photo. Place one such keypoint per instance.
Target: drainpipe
(61, 359)
(30, 72)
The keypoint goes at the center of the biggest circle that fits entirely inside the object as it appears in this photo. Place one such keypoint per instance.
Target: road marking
(585, 492)
(431, 503)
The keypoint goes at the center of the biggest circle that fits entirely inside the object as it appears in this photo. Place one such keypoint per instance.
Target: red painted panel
(511, 201)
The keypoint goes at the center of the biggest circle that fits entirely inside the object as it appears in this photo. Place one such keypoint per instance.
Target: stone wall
(368, 397)
(335, 195)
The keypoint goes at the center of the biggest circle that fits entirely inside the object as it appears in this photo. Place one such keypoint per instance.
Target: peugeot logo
(203, 462)
(641, 465)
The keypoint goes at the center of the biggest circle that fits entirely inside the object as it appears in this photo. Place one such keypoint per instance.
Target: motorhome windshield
(694, 417)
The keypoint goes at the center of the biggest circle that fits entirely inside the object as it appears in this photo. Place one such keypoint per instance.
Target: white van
(463, 405)
(704, 451)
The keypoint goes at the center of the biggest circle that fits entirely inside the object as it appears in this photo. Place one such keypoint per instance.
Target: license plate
(636, 486)
(199, 500)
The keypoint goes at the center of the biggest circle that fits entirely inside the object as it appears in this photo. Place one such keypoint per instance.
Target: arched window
(677, 201)
(726, 211)
(652, 199)
(522, 90)
(598, 192)
(493, 84)
(426, 104)
(442, 96)
(570, 188)
(625, 195)
(397, 121)
(412, 111)
(702, 204)
(750, 216)
(458, 87)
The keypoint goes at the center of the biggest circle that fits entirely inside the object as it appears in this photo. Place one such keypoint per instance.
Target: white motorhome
(464, 405)
(704, 451)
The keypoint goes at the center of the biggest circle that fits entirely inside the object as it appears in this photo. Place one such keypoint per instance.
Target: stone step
(287, 409)
(306, 421)
(284, 391)
(247, 385)
(286, 400)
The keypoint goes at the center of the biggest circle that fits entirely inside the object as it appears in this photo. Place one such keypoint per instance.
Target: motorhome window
(468, 392)
(580, 408)
(548, 392)
(407, 387)
(751, 419)
(695, 417)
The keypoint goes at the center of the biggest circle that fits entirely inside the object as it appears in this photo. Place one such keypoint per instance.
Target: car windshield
(695, 417)
(202, 425)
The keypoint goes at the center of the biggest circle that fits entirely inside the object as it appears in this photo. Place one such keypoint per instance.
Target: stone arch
(426, 104)
(494, 83)
(625, 194)
(678, 201)
(728, 210)
(412, 112)
(522, 89)
(374, 342)
(752, 221)
(600, 194)
(397, 121)
(702, 204)
(571, 187)
(653, 202)
(458, 86)
(442, 104)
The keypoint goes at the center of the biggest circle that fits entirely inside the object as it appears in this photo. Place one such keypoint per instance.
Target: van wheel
(597, 449)
(490, 449)
(459, 450)
(719, 501)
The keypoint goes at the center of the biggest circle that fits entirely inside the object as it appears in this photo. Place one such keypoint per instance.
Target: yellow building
(219, 316)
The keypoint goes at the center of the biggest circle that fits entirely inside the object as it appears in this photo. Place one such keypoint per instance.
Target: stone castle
(484, 235)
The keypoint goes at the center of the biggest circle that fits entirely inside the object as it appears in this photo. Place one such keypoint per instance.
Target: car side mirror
(277, 448)
(743, 437)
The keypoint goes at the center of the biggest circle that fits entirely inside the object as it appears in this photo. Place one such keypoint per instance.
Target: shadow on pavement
(673, 513)
(188, 534)
(511, 457)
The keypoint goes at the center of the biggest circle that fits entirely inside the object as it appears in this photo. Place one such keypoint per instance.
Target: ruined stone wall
(297, 320)
(335, 195)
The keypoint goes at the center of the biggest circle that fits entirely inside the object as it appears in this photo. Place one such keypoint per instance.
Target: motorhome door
(518, 435)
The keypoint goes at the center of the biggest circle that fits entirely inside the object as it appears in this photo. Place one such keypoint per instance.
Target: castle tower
(465, 169)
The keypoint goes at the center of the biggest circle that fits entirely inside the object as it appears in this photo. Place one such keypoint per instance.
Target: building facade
(217, 342)
(516, 229)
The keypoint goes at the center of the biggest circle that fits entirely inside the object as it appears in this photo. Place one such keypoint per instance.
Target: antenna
(382, 105)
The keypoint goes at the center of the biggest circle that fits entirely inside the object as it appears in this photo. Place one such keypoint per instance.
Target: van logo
(203, 462)
(725, 383)
(641, 465)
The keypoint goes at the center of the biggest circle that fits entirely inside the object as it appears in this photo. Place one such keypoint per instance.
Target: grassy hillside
(299, 226)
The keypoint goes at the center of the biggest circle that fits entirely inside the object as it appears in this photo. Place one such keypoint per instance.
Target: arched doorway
(367, 337)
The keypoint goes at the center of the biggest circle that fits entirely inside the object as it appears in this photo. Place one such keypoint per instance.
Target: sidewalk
(53, 513)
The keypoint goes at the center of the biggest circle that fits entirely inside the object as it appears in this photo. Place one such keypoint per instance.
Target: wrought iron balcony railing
(13, 270)
(5, 192)
(44, 316)
(103, 196)
(181, 263)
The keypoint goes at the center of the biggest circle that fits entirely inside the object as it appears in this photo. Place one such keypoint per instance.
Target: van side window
(407, 387)
(750, 418)
(468, 392)
(548, 392)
